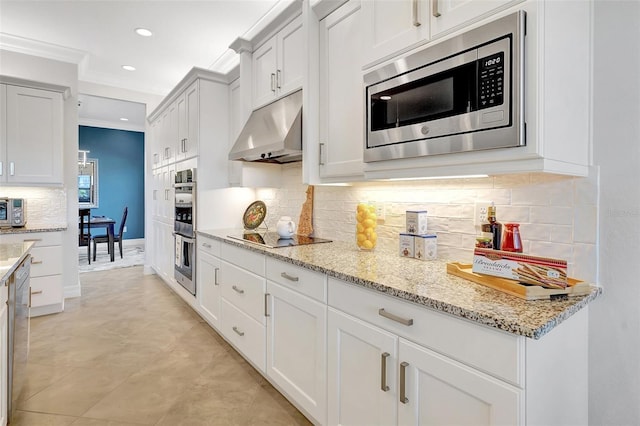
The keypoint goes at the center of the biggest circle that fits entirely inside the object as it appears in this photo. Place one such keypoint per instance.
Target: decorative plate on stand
(254, 215)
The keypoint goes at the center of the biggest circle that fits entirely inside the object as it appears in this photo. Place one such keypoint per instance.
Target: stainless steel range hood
(273, 133)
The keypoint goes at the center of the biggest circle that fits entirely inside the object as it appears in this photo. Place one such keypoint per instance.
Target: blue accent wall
(120, 156)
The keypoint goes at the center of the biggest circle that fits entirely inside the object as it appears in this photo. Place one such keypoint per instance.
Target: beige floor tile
(130, 352)
(76, 392)
(25, 418)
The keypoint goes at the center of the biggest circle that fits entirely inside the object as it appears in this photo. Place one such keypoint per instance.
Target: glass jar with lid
(366, 223)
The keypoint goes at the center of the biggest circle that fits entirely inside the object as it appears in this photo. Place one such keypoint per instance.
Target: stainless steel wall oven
(185, 229)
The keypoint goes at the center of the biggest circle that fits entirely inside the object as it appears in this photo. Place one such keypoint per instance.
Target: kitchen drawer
(494, 352)
(46, 261)
(209, 245)
(46, 290)
(244, 289)
(305, 281)
(40, 238)
(245, 333)
(244, 258)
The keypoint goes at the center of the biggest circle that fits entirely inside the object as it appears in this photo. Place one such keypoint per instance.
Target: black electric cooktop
(273, 240)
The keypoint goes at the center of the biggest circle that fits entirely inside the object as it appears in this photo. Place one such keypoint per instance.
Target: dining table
(109, 224)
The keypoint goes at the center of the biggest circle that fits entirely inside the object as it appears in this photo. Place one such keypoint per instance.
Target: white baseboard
(133, 242)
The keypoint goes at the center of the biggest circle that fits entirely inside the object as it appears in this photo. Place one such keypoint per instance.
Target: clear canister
(366, 222)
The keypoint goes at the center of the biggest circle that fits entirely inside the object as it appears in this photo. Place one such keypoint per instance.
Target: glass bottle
(493, 227)
(366, 222)
(512, 241)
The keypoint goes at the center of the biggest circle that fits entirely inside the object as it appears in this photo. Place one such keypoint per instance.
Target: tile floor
(130, 352)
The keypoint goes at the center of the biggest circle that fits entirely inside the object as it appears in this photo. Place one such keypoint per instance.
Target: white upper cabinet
(393, 26)
(31, 136)
(188, 116)
(448, 14)
(278, 64)
(235, 126)
(341, 94)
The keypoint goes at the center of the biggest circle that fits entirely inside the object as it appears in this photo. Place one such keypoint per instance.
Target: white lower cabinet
(435, 390)
(46, 286)
(208, 287)
(4, 353)
(296, 348)
(361, 372)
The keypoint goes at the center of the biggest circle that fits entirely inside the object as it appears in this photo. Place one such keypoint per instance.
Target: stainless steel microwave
(13, 212)
(463, 94)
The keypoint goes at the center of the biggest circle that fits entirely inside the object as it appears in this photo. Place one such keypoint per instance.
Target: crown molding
(42, 49)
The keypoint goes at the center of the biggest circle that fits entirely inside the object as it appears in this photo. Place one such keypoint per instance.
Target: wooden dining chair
(116, 237)
(84, 231)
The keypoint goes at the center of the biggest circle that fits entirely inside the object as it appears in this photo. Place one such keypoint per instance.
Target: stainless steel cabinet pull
(289, 277)
(416, 21)
(320, 159)
(36, 262)
(215, 276)
(273, 82)
(434, 10)
(1, 168)
(207, 245)
(403, 382)
(266, 304)
(395, 318)
(238, 332)
(37, 292)
(155, 194)
(238, 290)
(12, 168)
(35, 240)
(278, 74)
(383, 371)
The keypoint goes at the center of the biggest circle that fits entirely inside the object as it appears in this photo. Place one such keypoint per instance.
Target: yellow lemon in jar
(361, 208)
(359, 228)
(373, 237)
(360, 237)
(366, 244)
(372, 216)
(368, 223)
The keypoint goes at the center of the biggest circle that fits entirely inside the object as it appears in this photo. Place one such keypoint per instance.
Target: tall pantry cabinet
(188, 129)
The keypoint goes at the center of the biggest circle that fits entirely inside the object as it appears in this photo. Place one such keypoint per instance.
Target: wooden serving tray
(514, 288)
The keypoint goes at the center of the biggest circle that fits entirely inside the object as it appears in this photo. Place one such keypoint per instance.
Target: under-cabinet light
(143, 32)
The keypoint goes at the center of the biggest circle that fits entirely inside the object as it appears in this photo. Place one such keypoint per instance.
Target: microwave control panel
(491, 81)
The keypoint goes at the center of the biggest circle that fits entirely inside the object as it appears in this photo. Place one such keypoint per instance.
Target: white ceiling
(99, 35)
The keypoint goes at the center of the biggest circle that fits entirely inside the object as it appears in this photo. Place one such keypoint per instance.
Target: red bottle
(511, 241)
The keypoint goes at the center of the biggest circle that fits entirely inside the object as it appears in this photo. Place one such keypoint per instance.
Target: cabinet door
(3, 135)
(4, 356)
(208, 288)
(235, 126)
(296, 348)
(291, 56)
(358, 356)
(189, 123)
(440, 391)
(264, 73)
(341, 93)
(449, 14)
(391, 26)
(154, 145)
(34, 136)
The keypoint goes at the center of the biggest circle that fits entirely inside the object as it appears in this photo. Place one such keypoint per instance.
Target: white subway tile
(462, 226)
(518, 214)
(561, 234)
(535, 232)
(548, 249)
(552, 215)
(585, 223)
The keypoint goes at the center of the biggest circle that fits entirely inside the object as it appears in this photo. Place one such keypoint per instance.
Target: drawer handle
(403, 382)
(238, 290)
(434, 11)
(37, 292)
(289, 277)
(206, 245)
(383, 371)
(266, 304)
(416, 18)
(395, 318)
(238, 332)
(215, 276)
(36, 262)
(32, 240)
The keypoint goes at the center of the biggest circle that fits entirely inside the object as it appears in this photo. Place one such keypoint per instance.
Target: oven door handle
(187, 239)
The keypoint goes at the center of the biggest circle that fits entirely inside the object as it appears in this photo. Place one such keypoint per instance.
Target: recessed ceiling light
(129, 67)
(124, 119)
(143, 32)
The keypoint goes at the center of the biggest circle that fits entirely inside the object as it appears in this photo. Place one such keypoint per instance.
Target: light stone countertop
(425, 283)
(11, 255)
(29, 229)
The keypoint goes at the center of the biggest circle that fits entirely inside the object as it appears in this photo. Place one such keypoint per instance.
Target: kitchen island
(426, 283)
(369, 337)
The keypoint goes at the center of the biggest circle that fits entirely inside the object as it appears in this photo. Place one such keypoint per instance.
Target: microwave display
(463, 94)
(3, 211)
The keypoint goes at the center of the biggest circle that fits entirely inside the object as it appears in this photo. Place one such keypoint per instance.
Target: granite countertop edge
(23, 248)
(30, 230)
(449, 307)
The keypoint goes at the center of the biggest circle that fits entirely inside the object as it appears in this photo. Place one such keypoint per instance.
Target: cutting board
(514, 288)
(305, 224)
